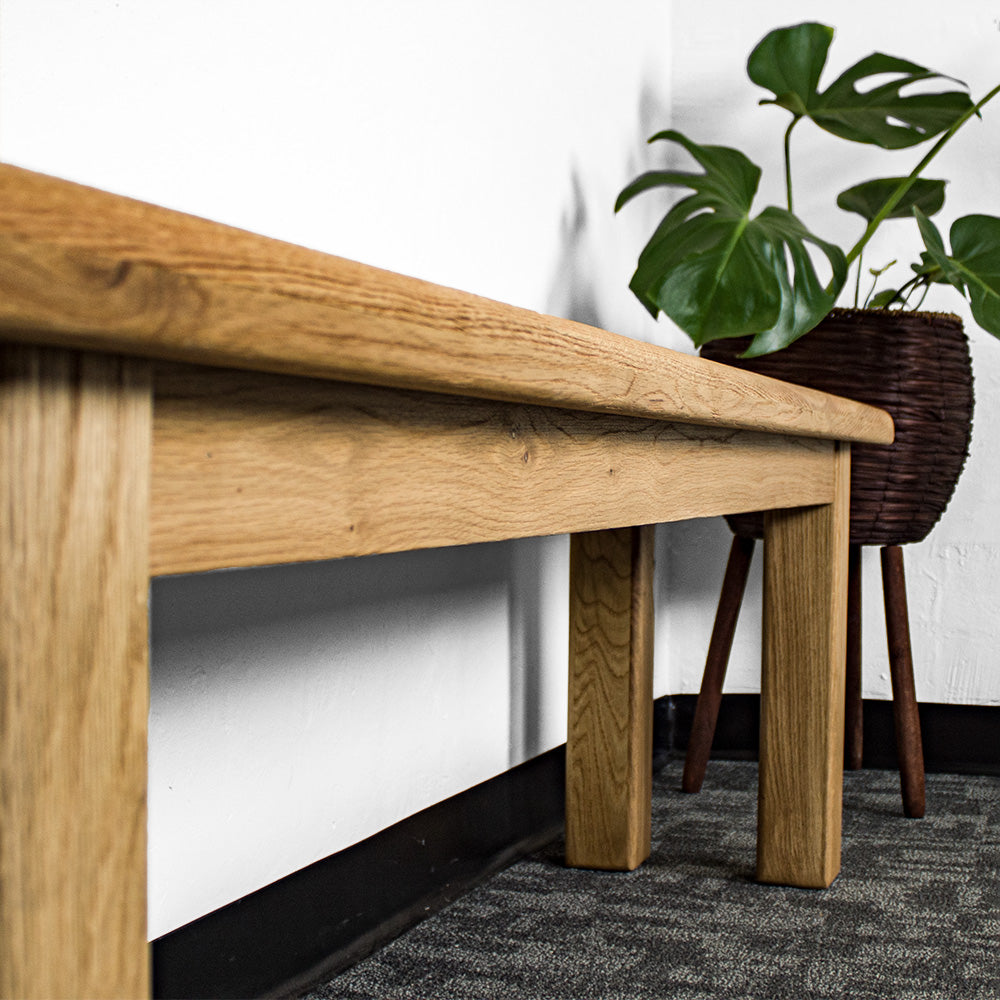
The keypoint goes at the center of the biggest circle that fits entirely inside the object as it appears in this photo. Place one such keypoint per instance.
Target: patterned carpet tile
(914, 914)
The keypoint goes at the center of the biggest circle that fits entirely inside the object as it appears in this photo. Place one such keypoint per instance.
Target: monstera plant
(719, 270)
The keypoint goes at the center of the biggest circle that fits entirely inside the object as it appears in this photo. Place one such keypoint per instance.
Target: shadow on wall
(233, 601)
(232, 629)
(526, 651)
(313, 638)
(598, 248)
(597, 256)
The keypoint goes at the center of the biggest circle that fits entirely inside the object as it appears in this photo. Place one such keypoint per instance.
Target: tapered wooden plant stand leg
(909, 747)
(853, 714)
(706, 711)
(609, 749)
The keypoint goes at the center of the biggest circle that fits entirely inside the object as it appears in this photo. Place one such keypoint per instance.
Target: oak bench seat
(177, 395)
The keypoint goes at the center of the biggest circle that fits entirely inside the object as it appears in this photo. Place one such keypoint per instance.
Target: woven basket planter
(914, 365)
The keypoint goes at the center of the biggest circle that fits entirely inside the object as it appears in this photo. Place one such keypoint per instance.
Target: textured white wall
(296, 710)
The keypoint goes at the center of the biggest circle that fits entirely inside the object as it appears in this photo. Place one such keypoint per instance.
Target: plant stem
(907, 183)
(870, 290)
(908, 288)
(788, 161)
(857, 282)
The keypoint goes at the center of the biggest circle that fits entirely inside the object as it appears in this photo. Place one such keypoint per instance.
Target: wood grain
(251, 469)
(97, 271)
(609, 749)
(74, 471)
(802, 689)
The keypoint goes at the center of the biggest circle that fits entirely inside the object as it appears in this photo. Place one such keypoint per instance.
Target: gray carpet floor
(915, 912)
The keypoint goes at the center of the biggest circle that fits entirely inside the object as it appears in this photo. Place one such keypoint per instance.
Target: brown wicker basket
(916, 366)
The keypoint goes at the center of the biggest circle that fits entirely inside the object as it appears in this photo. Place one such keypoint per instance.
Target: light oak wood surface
(101, 272)
(74, 460)
(251, 469)
(609, 750)
(802, 689)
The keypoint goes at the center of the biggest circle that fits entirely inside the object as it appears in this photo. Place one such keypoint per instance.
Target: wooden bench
(179, 396)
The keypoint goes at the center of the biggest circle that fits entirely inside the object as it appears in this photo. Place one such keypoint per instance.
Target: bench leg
(802, 689)
(74, 484)
(610, 738)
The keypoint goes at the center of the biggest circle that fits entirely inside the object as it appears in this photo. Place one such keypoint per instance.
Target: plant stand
(905, 715)
(917, 367)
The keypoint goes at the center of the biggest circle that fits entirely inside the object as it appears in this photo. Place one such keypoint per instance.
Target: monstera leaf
(867, 199)
(973, 266)
(789, 62)
(717, 272)
(928, 270)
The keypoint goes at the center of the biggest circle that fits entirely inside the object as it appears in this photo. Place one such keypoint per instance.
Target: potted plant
(745, 286)
(746, 290)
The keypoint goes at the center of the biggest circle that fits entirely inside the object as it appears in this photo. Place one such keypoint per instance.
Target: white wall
(299, 709)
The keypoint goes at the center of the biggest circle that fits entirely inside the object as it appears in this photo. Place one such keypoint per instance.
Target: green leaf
(974, 264)
(975, 252)
(936, 254)
(929, 270)
(882, 299)
(804, 299)
(868, 198)
(729, 177)
(789, 62)
(717, 272)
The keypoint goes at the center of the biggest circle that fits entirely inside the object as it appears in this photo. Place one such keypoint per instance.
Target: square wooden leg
(802, 689)
(610, 740)
(74, 484)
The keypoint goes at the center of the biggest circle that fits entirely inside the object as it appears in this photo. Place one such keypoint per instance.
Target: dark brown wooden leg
(853, 728)
(707, 709)
(904, 699)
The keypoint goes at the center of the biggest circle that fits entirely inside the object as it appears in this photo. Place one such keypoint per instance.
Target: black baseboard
(322, 919)
(331, 914)
(957, 739)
